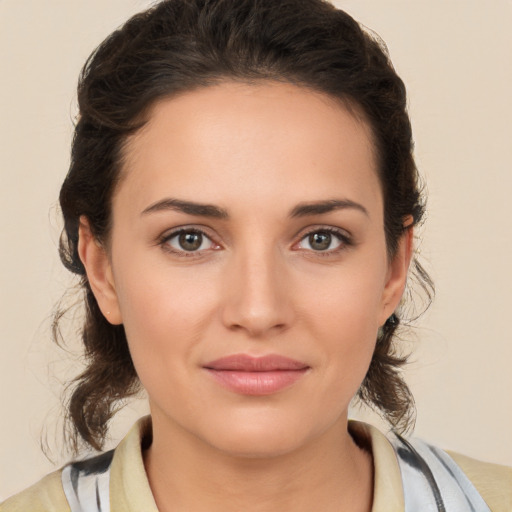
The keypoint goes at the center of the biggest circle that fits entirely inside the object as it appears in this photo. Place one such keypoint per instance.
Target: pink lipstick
(250, 375)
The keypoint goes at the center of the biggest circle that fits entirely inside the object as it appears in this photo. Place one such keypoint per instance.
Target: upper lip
(247, 363)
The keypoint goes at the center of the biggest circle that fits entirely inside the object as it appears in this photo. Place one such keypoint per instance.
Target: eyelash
(166, 238)
(344, 239)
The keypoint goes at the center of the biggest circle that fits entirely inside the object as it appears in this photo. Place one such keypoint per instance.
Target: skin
(256, 286)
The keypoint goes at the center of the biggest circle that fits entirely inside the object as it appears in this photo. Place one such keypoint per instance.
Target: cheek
(344, 316)
(164, 314)
(345, 302)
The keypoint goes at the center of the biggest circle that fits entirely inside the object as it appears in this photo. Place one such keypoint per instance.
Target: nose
(257, 295)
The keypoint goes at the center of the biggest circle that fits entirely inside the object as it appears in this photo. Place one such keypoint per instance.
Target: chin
(261, 436)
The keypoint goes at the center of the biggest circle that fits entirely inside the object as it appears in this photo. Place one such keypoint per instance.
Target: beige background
(455, 57)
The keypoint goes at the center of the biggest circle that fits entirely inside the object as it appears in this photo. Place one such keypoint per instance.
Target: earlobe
(397, 274)
(95, 259)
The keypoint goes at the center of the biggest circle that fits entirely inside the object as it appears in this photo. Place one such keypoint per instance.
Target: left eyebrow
(322, 207)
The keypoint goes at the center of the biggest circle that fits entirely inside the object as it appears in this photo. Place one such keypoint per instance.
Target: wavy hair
(181, 45)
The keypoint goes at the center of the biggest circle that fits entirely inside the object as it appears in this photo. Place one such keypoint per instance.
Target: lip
(248, 375)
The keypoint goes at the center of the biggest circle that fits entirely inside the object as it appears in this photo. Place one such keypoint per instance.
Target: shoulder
(72, 482)
(414, 473)
(492, 481)
(47, 495)
(88, 481)
(452, 478)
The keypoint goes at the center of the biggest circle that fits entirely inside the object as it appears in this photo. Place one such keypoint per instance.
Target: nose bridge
(257, 301)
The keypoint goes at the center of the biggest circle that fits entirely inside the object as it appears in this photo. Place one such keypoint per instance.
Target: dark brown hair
(180, 45)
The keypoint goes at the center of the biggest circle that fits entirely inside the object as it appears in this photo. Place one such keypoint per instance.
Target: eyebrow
(189, 207)
(322, 207)
(212, 211)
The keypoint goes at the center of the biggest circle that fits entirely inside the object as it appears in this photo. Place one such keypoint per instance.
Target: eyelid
(343, 235)
(173, 232)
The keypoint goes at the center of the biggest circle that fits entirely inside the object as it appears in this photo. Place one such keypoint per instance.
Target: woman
(241, 204)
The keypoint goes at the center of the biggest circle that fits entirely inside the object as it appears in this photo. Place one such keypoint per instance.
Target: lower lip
(256, 383)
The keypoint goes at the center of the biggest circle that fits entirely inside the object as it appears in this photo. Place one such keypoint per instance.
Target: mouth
(256, 376)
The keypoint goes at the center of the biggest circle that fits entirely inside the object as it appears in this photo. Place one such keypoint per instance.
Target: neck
(329, 473)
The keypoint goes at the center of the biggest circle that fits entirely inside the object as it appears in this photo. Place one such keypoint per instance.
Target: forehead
(235, 139)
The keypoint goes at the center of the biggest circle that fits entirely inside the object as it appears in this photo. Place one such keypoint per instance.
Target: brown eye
(324, 240)
(320, 241)
(190, 241)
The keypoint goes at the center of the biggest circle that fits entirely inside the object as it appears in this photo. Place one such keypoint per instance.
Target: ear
(397, 273)
(97, 265)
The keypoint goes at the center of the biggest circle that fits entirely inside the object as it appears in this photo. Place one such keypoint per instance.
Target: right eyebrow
(188, 207)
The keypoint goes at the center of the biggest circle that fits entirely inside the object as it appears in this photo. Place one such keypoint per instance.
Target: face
(248, 264)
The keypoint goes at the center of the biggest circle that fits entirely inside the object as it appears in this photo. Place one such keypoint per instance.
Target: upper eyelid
(330, 229)
(169, 233)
